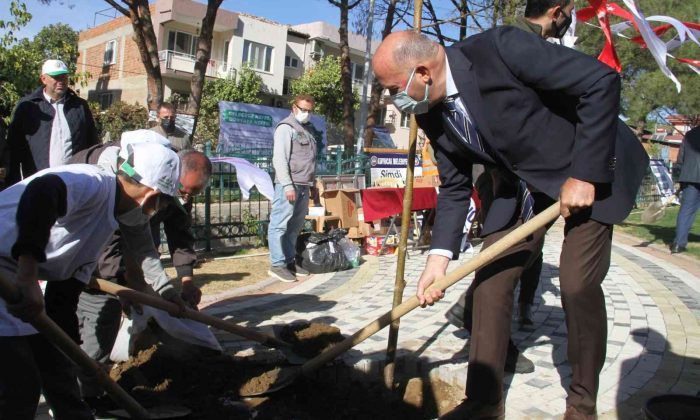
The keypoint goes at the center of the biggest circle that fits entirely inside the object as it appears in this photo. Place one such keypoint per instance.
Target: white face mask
(136, 216)
(302, 117)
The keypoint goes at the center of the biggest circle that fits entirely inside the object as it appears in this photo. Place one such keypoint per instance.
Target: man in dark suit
(546, 117)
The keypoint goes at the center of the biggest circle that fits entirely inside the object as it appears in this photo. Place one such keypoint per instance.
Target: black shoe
(298, 270)
(516, 362)
(675, 249)
(282, 274)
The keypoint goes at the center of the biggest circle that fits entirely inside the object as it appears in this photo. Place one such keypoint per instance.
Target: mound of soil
(310, 339)
(209, 384)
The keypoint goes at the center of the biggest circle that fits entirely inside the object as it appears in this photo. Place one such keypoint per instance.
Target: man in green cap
(48, 127)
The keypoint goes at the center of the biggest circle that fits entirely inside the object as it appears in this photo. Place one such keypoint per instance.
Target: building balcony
(178, 63)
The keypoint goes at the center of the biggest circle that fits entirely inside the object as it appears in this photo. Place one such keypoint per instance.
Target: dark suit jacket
(547, 113)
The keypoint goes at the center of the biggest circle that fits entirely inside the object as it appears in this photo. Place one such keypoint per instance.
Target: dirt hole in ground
(208, 383)
(310, 339)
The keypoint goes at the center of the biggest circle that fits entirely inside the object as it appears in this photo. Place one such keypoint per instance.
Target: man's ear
(423, 73)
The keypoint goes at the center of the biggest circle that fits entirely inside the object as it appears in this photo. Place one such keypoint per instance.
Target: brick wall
(94, 63)
(109, 26)
(133, 66)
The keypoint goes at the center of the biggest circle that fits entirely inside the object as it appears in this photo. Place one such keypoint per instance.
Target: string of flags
(648, 37)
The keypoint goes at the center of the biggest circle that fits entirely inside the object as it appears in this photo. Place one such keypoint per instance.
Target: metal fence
(649, 192)
(220, 217)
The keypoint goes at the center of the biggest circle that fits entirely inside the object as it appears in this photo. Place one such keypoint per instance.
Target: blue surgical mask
(405, 103)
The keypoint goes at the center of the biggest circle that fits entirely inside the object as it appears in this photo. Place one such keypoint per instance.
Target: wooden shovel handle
(10, 293)
(484, 257)
(160, 303)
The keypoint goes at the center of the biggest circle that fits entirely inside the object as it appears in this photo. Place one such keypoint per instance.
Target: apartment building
(279, 53)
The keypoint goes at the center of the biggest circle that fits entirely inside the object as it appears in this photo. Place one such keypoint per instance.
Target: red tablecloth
(378, 203)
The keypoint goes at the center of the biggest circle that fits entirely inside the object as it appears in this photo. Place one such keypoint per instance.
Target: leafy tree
(11, 58)
(245, 89)
(645, 89)
(21, 59)
(120, 117)
(349, 97)
(322, 82)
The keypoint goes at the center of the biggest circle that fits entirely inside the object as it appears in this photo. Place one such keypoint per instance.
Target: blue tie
(527, 203)
(457, 117)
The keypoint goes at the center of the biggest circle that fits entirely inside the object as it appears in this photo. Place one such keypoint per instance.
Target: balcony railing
(177, 61)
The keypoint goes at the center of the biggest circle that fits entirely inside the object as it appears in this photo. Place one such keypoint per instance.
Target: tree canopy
(322, 82)
(21, 59)
(645, 89)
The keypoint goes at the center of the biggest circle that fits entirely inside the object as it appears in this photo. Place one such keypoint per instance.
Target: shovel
(657, 210)
(159, 303)
(286, 376)
(45, 325)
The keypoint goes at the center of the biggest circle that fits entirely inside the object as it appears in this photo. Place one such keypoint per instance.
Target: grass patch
(663, 231)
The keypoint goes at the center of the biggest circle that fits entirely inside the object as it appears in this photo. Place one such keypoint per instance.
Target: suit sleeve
(90, 128)
(18, 153)
(180, 241)
(594, 85)
(455, 193)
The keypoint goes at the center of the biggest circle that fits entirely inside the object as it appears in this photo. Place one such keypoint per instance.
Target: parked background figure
(689, 161)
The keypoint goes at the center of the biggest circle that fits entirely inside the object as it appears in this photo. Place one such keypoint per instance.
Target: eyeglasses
(188, 195)
(310, 110)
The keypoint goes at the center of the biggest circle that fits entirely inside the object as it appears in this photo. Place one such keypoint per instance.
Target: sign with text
(248, 126)
(389, 169)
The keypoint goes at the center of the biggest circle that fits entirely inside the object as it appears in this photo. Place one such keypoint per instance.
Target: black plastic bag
(321, 252)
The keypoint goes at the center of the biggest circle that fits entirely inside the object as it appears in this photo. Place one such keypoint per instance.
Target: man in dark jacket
(547, 116)
(48, 126)
(689, 161)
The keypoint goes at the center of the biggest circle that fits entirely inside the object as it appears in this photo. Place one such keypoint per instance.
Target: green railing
(222, 214)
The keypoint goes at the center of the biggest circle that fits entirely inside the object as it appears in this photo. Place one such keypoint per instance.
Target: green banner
(248, 118)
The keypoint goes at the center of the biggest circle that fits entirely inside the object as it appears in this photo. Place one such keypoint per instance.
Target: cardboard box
(426, 182)
(342, 203)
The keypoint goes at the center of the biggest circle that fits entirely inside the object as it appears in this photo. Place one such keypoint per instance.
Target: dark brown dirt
(310, 339)
(208, 383)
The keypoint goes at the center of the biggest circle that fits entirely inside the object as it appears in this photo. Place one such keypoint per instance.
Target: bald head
(402, 52)
(405, 49)
(195, 173)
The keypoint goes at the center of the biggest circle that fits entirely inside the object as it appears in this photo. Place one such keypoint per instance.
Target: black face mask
(167, 124)
(560, 31)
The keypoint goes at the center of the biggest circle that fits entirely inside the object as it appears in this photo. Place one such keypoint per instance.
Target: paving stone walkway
(653, 306)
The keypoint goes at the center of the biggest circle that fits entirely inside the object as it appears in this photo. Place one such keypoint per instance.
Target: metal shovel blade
(270, 381)
(653, 213)
(157, 412)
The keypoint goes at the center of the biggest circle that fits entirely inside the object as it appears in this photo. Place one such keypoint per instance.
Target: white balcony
(177, 62)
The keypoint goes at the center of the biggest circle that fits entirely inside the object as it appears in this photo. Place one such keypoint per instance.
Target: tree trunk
(375, 106)
(145, 38)
(346, 77)
(202, 59)
(464, 14)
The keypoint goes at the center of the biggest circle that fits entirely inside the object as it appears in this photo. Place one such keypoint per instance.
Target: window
(291, 62)
(358, 71)
(225, 55)
(405, 119)
(285, 87)
(182, 42)
(106, 100)
(382, 117)
(258, 56)
(110, 56)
